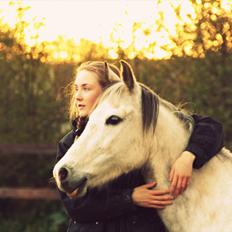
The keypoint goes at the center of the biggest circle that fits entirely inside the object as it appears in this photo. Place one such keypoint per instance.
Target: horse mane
(183, 115)
(150, 102)
(150, 109)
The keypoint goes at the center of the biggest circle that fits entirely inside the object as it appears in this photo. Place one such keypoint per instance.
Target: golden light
(226, 5)
(111, 23)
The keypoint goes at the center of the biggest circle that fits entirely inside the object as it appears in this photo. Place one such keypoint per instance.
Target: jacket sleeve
(206, 141)
(100, 204)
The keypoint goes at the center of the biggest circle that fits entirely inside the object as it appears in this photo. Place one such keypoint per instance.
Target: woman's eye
(113, 120)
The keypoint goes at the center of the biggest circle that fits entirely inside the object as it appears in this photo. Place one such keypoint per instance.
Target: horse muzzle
(68, 183)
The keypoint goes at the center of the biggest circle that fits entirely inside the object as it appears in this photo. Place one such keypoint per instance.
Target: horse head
(112, 142)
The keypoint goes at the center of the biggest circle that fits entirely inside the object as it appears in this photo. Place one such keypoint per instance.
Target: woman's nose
(79, 95)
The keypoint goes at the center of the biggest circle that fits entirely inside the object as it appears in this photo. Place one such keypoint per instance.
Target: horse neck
(171, 138)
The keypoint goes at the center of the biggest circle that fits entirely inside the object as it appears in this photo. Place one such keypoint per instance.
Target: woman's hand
(181, 173)
(145, 196)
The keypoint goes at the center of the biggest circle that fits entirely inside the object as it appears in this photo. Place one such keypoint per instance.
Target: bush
(32, 216)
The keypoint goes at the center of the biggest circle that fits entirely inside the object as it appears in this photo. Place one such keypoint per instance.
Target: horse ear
(127, 75)
(106, 71)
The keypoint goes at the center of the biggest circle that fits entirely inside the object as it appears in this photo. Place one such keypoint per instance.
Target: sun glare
(111, 23)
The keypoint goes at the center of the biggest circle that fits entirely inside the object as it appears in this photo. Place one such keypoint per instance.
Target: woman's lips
(81, 107)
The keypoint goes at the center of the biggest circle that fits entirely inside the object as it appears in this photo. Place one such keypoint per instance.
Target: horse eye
(113, 120)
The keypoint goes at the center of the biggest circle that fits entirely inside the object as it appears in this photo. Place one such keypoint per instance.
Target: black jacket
(110, 209)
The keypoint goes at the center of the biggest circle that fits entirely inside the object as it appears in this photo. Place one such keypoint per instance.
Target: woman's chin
(83, 114)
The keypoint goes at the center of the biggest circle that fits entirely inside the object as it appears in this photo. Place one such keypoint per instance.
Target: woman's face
(88, 89)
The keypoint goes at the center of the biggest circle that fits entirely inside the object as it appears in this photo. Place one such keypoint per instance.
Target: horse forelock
(116, 89)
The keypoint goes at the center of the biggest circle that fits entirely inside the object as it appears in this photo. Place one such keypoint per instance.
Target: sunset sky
(95, 20)
(91, 19)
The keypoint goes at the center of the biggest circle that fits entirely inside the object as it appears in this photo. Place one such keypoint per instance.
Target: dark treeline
(34, 99)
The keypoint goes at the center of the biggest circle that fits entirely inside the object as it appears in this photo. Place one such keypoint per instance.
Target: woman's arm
(205, 142)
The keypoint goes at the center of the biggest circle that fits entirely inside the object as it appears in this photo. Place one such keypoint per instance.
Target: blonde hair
(99, 68)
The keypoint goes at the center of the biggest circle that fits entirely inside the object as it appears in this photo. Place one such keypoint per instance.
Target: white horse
(132, 127)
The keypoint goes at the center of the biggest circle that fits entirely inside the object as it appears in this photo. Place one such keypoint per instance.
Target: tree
(206, 29)
(28, 88)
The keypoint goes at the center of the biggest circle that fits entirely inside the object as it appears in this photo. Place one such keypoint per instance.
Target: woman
(127, 204)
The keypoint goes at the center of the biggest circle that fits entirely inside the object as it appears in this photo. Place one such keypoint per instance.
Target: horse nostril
(63, 174)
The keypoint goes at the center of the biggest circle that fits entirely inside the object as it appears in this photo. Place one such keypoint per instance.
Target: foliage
(28, 216)
(67, 49)
(176, 29)
(29, 90)
(207, 30)
(23, 170)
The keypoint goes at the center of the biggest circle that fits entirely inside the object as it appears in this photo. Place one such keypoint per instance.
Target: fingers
(155, 206)
(149, 185)
(179, 185)
(174, 184)
(178, 188)
(146, 196)
(159, 204)
(184, 184)
(162, 198)
(159, 192)
(171, 175)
